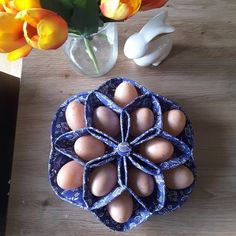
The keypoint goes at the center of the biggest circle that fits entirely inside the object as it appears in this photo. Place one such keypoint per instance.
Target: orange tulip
(151, 4)
(14, 6)
(8, 6)
(12, 39)
(119, 9)
(32, 28)
(43, 29)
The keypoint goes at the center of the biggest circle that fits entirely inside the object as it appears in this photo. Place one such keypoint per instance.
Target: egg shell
(178, 178)
(75, 115)
(103, 179)
(70, 176)
(141, 183)
(125, 93)
(106, 120)
(157, 150)
(174, 122)
(121, 208)
(142, 119)
(88, 147)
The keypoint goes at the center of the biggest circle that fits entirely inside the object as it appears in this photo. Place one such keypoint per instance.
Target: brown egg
(141, 119)
(178, 178)
(157, 150)
(75, 115)
(106, 120)
(88, 147)
(125, 93)
(141, 183)
(121, 208)
(174, 122)
(70, 176)
(103, 179)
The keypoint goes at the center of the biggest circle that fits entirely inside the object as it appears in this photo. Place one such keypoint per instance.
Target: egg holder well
(121, 151)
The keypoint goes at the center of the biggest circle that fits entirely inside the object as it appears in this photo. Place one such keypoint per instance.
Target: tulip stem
(91, 53)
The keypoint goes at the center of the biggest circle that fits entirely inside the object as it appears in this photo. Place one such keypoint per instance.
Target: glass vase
(96, 54)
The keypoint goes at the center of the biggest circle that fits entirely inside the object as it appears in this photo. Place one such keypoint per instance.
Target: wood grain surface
(200, 74)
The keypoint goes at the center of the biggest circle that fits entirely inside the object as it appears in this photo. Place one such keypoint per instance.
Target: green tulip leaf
(64, 8)
(85, 18)
(82, 16)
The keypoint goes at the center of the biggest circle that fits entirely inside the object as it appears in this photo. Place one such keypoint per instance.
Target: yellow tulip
(43, 29)
(12, 37)
(14, 6)
(119, 9)
(26, 4)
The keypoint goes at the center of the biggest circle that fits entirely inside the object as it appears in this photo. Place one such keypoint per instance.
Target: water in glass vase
(96, 54)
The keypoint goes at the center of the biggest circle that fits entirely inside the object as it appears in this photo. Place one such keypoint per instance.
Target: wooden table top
(199, 74)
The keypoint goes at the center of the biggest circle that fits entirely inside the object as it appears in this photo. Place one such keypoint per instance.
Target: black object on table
(9, 91)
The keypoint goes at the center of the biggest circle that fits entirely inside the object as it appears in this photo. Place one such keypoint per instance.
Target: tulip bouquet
(45, 24)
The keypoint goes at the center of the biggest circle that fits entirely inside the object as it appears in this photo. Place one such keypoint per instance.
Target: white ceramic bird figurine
(152, 44)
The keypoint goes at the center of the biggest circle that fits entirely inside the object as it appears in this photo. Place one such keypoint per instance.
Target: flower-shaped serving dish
(122, 152)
